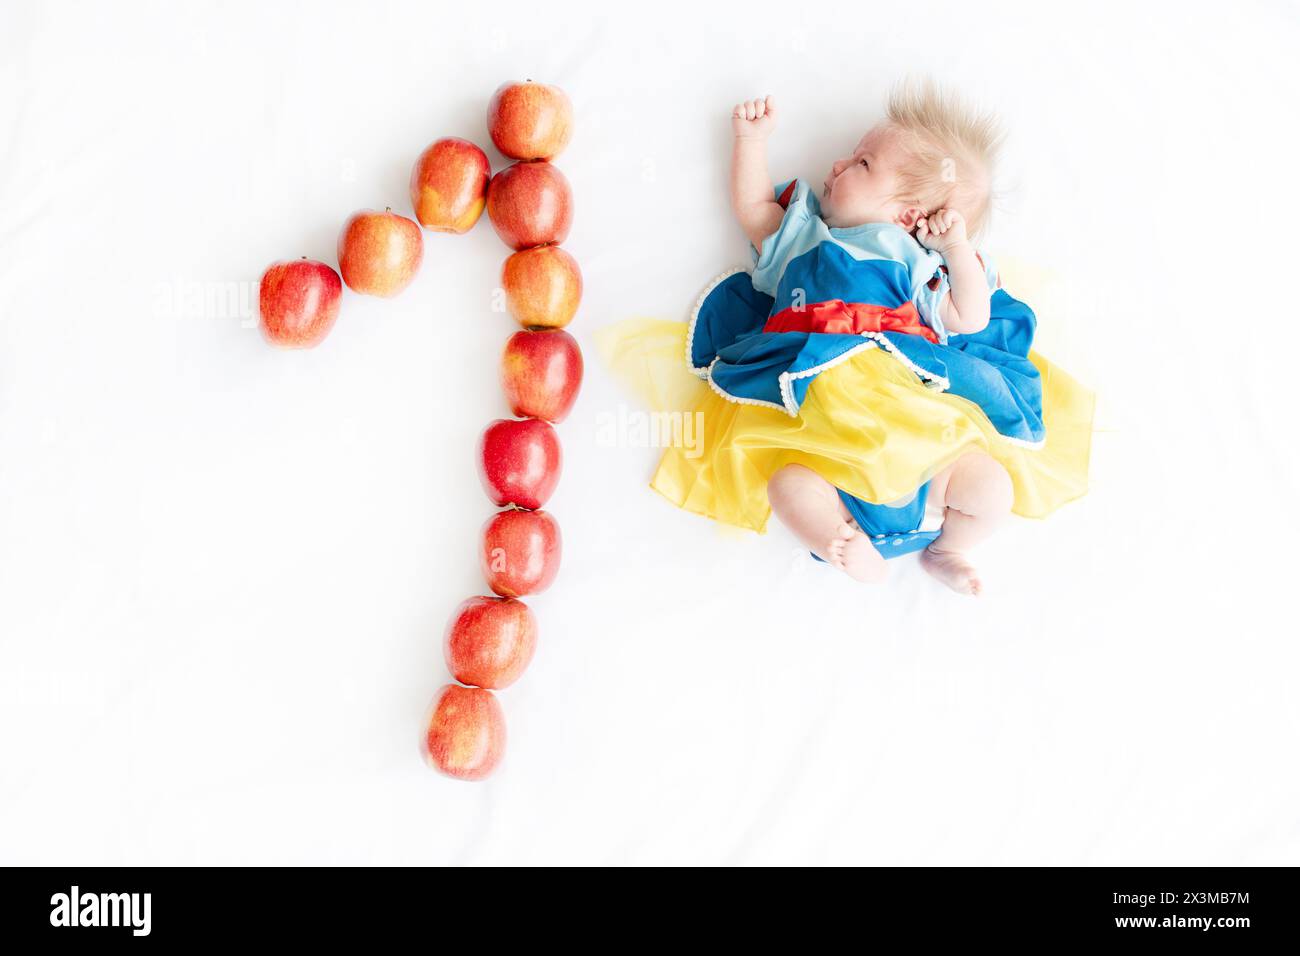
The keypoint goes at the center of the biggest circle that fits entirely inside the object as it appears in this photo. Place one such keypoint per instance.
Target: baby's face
(861, 187)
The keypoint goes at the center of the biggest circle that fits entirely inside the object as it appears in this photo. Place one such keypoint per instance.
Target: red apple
(530, 120)
(489, 641)
(465, 733)
(520, 554)
(530, 204)
(379, 252)
(543, 287)
(519, 462)
(449, 185)
(298, 301)
(541, 373)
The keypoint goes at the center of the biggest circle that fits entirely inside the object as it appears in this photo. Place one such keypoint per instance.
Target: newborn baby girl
(908, 198)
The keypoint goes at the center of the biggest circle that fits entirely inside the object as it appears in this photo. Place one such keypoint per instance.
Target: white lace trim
(874, 340)
(1025, 442)
(703, 370)
(791, 407)
(737, 399)
(785, 378)
(939, 381)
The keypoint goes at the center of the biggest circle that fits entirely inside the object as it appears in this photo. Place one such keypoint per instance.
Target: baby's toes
(862, 561)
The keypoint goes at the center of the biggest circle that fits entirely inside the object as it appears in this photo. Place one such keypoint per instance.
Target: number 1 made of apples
(490, 639)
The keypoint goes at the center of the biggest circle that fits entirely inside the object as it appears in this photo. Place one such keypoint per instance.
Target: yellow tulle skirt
(867, 425)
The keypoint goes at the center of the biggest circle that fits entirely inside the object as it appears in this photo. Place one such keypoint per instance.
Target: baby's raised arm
(751, 186)
(965, 309)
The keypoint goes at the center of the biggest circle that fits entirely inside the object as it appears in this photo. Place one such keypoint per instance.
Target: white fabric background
(225, 569)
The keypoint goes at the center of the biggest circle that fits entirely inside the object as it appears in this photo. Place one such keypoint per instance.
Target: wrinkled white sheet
(225, 570)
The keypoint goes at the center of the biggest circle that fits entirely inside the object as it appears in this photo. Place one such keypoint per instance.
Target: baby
(921, 179)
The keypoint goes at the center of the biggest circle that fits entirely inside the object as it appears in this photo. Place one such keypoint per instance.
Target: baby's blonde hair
(950, 150)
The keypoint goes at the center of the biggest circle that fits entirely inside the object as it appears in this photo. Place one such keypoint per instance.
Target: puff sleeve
(801, 229)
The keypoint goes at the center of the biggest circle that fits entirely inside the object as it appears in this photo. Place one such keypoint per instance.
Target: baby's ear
(909, 217)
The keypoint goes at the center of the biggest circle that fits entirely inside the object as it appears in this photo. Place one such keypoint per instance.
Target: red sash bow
(838, 317)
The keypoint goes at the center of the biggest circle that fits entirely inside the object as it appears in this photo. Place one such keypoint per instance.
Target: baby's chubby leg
(976, 494)
(810, 506)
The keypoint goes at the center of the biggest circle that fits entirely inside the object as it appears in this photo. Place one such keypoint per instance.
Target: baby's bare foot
(851, 551)
(952, 569)
(862, 561)
(833, 551)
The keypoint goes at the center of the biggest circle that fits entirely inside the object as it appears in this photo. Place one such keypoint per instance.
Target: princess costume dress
(832, 354)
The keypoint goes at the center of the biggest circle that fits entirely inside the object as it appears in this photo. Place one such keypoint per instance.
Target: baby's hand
(941, 230)
(754, 120)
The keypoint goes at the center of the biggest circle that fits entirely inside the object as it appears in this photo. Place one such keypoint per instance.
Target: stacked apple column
(490, 640)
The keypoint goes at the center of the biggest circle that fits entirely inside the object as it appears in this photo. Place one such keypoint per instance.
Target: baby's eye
(864, 163)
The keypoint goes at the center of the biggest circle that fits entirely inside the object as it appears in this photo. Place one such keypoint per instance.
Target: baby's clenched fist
(941, 230)
(754, 119)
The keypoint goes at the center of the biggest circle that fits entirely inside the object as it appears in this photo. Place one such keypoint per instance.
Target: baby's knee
(981, 484)
(1002, 491)
(800, 486)
(789, 479)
